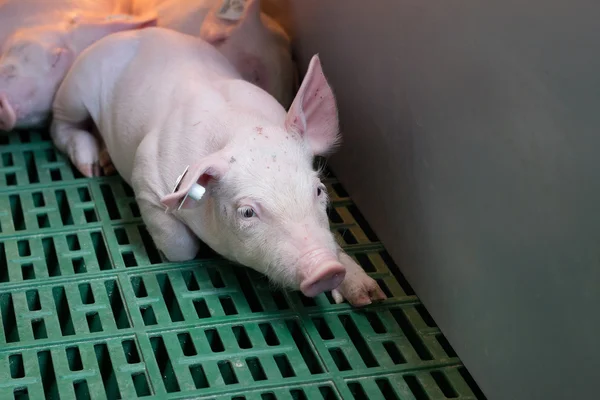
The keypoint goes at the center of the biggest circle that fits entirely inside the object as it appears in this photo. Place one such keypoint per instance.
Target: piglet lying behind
(163, 101)
(39, 40)
(252, 41)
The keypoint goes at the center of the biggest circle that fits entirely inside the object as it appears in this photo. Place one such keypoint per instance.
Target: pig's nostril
(326, 278)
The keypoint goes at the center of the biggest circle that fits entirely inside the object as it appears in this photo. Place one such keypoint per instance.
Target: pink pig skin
(161, 101)
(39, 40)
(256, 44)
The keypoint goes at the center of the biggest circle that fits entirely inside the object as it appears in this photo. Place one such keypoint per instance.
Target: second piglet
(169, 105)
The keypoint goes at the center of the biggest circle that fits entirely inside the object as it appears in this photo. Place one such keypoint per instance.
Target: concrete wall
(471, 137)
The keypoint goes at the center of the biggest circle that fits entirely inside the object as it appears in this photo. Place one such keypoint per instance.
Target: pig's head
(35, 60)
(264, 204)
(257, 46)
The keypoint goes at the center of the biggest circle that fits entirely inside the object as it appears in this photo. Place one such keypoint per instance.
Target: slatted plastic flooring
(91, 310)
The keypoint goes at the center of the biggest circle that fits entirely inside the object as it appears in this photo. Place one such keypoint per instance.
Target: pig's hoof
(106, 163)
(359, 290)
(88, 170)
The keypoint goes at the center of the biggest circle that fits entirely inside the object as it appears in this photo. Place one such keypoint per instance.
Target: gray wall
(485, 115)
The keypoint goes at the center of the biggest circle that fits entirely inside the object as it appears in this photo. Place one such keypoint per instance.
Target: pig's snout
(324, 279)
(8, 117)
(319, 273)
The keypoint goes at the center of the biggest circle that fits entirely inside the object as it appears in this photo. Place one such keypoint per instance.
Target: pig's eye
(247, 212)
(320, 190)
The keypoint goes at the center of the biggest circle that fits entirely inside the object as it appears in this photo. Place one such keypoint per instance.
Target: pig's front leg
(104, 159)
(357, 287)
(105, 162)
(173, 238)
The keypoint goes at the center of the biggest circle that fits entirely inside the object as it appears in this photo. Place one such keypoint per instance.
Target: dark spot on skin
(225, 210)
(268, 167)
(232, 160)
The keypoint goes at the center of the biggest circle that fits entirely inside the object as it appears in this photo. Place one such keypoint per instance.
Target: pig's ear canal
(313, 113)
(194, 182)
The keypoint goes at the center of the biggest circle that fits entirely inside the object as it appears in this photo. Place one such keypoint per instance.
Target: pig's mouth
(8, 116)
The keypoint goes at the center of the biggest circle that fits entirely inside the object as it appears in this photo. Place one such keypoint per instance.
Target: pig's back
(159, 91)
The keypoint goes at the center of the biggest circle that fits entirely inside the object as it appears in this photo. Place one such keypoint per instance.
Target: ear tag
(232, 10)
(196, 191)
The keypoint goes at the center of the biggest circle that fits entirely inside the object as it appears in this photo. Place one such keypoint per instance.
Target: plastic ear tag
(232, 10)
(196, 191)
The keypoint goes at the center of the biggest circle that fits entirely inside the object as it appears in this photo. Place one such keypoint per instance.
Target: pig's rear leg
(79, 144)
(173, 238)
(357, 287)
(71, 128)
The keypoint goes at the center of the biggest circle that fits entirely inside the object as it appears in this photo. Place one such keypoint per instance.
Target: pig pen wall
(471, 133)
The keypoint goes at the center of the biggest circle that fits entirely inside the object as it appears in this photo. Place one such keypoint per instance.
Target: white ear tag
(232, 10)
(196, 191)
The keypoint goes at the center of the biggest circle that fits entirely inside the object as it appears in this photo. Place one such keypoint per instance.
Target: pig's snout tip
(8, 118)
(324, 279)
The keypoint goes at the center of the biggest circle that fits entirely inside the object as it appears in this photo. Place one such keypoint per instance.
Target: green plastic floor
(90, 309)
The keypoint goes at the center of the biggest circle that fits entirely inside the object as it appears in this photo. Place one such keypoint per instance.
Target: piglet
(252, 41)
(169, 105)
(36, 57)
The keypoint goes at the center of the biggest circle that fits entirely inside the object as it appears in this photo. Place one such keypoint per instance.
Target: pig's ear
(313, 113)
(208, 170)
(85, 30)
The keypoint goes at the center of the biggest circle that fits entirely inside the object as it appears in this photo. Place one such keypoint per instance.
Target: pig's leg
(71, 129)
(104, 159)
(106, 163)
(170, 235)
(79, 144)
(357, 287)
